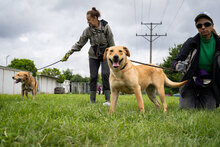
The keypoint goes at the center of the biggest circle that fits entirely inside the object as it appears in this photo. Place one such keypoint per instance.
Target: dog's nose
(115, 57)
(13, 77)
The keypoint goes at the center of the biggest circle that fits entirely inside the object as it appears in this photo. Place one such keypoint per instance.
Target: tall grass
(70, 120)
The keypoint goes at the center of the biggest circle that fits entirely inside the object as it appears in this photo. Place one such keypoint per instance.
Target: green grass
(70, 120)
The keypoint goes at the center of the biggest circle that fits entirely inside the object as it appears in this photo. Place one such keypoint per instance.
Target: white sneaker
(106, 104)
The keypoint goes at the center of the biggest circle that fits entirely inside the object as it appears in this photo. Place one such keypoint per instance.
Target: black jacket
(194, 44)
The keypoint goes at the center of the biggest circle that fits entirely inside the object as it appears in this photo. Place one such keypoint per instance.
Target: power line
(164, 10)
(148, 17)
(135, 15)
(178, 10)
(135, 19)
(142, 8)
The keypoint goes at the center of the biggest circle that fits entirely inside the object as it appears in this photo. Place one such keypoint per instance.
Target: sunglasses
(206, 24)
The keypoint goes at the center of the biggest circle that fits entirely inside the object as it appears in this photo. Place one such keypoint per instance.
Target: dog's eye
(120, 51)
(111, 51)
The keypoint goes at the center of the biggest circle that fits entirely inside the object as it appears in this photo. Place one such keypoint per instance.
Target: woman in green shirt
(199, 60)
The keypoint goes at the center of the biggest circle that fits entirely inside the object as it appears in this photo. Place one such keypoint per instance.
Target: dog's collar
(124, 66)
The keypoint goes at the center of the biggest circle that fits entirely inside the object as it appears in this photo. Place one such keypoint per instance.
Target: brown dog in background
(28, 83)
(128, 78)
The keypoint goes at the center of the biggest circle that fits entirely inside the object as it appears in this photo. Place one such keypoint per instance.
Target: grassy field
(70, 120)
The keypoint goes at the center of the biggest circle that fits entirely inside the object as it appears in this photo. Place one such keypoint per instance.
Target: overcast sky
(44, 30)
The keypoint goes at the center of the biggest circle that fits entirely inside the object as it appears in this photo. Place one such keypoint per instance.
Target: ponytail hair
(94, 13)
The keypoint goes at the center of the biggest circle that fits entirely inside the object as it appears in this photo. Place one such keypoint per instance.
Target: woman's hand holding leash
(67, 56)
(181, 66)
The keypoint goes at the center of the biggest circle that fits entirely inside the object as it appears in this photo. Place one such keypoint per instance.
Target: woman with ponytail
(100, 36)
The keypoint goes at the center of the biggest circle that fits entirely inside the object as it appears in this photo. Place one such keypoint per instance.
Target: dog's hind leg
(114, 99)
(34, 92)
(161, 93)
(151, 92)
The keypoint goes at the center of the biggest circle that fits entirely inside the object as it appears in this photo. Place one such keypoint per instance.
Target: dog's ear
(105, 54)
(127, 51)
(27, 75)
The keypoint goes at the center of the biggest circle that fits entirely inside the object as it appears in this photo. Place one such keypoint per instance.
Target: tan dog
(128, 78)
(28, 83)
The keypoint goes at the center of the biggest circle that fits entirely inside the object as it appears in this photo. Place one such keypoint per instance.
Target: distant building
(46, 84)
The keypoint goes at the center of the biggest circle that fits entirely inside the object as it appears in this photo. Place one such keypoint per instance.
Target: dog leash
(165, 68)
(49, 65)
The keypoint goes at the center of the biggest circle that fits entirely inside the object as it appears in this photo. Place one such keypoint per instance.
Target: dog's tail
(172, 84)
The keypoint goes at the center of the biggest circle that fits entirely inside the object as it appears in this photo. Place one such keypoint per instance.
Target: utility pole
(151, 35)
